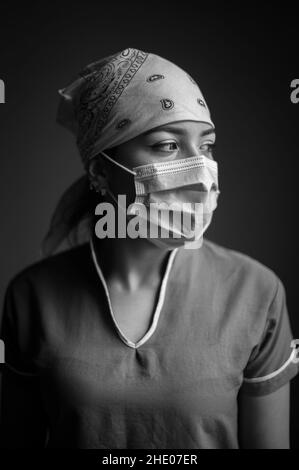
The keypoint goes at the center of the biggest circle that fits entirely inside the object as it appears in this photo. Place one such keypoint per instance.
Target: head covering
(110, 102)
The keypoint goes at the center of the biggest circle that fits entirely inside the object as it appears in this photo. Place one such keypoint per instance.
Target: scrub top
(220, 325)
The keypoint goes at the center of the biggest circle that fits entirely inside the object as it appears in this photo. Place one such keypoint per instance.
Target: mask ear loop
(118, 164)
(108, 190)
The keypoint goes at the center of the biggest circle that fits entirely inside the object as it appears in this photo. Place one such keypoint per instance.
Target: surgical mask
(185, 192)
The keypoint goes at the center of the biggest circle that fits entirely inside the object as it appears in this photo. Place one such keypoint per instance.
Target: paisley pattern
(123, 123)
(124, 94)
(201, 102)
(167, 104)
(153, 78)
(104, 82)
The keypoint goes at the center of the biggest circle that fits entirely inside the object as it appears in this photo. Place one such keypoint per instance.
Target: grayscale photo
(148, 237)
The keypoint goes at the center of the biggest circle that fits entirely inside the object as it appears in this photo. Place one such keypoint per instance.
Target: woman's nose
(190, 151)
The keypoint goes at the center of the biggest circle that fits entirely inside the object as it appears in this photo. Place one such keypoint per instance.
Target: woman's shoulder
(55, 269)
(234, 264)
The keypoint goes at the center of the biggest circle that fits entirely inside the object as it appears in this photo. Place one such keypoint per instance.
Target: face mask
(186, 193)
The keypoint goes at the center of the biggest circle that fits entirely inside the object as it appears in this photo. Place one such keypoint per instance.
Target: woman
(143, 342)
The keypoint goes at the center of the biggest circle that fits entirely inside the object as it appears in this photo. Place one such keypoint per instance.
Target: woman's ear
(97, 167)
(97, 174)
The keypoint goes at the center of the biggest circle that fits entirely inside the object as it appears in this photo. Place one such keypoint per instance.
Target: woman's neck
(132, 263)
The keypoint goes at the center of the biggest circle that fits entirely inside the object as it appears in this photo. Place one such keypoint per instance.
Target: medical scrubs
(220, 325)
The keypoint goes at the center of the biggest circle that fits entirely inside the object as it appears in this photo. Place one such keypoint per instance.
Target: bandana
(112, 101)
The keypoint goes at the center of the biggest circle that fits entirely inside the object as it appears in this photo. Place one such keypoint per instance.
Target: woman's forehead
(187, 129)
(184, 127)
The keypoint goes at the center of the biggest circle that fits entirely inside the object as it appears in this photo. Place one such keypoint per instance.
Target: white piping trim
(158, 307)
(276, 372)
(19, 372)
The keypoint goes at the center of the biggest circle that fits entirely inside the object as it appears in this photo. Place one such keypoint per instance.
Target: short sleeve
(274, 360)
(11, 333)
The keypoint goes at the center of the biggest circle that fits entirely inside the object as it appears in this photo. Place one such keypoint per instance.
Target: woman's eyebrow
(212, 130)
(179, 130)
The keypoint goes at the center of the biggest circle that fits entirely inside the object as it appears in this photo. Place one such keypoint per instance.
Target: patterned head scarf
(112, 101)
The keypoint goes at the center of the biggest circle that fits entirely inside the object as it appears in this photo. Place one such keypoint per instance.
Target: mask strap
(118, 164)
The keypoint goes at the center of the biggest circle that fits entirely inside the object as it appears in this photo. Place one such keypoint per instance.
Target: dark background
(243, 58)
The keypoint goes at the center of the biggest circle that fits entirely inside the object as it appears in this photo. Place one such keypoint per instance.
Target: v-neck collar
(159, 305)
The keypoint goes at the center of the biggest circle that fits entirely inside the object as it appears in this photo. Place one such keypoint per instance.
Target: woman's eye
(164, 146)
(172, 146)
(209, 148)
